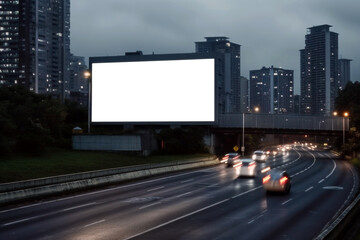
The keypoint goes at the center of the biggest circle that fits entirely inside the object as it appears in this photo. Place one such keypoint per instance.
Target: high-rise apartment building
(272, 90)
(230, 66)
(79, 85)
(35, 45)
(319, 71)
(244, 93)
(344, 73)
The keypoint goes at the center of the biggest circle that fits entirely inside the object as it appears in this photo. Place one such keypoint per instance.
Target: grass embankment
(59, 162)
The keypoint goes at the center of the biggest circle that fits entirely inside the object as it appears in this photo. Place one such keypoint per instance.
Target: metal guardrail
(283, 121)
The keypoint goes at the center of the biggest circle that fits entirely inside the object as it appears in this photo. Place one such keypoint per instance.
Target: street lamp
(332, 121)
(256, 109)
(87, 75)
(346, 114)
(243, 135)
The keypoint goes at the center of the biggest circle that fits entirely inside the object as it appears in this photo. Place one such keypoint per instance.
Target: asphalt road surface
(208, 203)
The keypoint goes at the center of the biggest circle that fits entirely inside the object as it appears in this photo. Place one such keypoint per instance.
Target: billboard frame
(157, 57)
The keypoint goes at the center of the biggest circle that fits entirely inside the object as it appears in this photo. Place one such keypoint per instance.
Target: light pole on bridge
(345, 115)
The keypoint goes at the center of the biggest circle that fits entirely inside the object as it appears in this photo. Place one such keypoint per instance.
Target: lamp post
(87, 75)
(256, 109)
(345, 115)
(332, 121)
(243, 135)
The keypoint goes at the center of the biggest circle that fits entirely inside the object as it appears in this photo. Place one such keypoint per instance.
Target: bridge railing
(283, 121)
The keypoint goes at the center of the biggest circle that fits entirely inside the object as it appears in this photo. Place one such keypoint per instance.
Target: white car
(259, 156)
(247, 168)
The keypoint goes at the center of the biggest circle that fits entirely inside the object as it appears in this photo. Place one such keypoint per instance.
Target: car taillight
(224, 159)
(265, 170)
(237, 165)
(252, 165)
(266, 179)
(283, 180)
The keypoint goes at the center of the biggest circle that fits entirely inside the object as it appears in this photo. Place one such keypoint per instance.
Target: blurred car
(230, 159)
(277, 180)
(259, 156)
(247, 168)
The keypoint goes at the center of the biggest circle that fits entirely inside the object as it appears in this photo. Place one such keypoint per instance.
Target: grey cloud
(270, 32)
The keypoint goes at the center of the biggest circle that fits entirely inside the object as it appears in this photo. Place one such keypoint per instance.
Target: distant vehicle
(247, 168)
(277, 181)
(230, 159)
(259, 156)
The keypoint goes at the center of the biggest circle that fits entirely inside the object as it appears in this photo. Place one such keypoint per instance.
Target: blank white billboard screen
(153, 91)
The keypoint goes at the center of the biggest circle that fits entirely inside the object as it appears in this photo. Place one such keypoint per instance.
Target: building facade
(344, 73)
(79, 84)
(272, 90)
(319, 71)
(35, 45)
(230, 65)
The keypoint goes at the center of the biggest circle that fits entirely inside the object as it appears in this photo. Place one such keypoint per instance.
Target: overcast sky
(270, 32)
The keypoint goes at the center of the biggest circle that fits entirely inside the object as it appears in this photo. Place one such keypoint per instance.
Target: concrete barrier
(338, 227)
(20, 191)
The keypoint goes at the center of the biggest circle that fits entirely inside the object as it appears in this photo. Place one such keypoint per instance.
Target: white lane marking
(189, 180)
(191, 213)
(309, 189)
(154, 189)
(241, 194)
(22, 220)
(150, 205)
(177, 219)
(333, 188)
(332, 169)
(307, 167)
(181, 195)
(88, 225)
(287, 201)
(258, 217)
(80, 206)
(47, 214)
(106, 190)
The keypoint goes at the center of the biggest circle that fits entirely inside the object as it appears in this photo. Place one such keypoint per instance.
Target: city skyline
(269, 33)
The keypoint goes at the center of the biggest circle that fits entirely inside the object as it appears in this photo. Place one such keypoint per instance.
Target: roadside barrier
(24, 190)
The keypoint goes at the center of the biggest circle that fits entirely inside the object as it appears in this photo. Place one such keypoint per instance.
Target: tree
(31, 122)
(349, 101)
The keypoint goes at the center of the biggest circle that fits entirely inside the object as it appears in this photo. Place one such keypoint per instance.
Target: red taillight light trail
(283, 180)
(252, 165)
(265, 170)
(266, 179)
(224, 159)
(237, 165)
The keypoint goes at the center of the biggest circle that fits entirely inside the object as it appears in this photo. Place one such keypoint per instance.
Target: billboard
(159, 91)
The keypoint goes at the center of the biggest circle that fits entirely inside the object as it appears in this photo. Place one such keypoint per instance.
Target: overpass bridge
(274, 128)
(283, 122)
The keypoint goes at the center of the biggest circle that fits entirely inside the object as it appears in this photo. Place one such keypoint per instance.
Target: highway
(208, 203)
